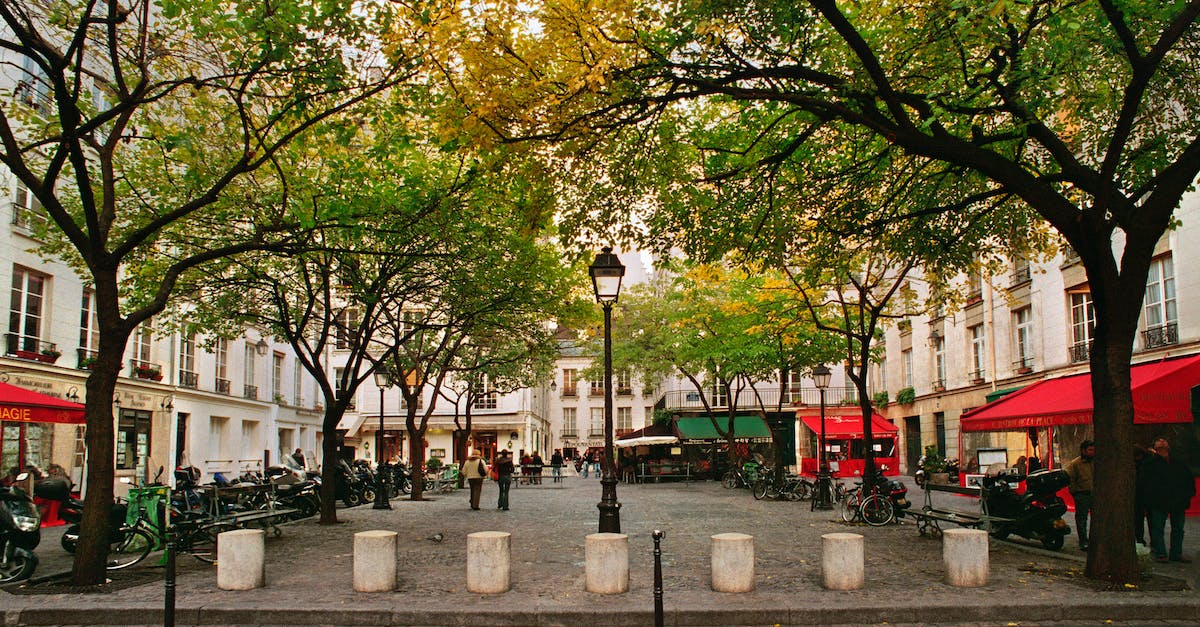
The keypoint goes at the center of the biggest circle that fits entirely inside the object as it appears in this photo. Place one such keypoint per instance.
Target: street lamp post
(606, 273)
(824, 498)
(383, 379)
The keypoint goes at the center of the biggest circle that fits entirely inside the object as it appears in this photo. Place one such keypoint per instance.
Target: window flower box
(148, 371)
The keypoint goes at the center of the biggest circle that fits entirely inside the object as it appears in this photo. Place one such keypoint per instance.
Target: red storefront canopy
(841, 422)
(1161, 394)
(21, 405)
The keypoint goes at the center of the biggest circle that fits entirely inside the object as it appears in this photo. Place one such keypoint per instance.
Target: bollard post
(169, 592)
(658, 585)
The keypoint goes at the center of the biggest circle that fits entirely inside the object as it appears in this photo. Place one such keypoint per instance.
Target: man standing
(556, 463)
(474, 470)
(504, 471)
(1168, 488)
(1081, 472)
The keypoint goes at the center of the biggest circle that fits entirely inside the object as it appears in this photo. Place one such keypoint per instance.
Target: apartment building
(1033, 323)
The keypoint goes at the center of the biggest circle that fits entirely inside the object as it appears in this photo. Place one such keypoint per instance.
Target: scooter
(896, 490)
(1035, 515)
(20, 533)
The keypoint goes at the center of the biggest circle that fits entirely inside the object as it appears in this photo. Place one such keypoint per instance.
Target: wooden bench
(929, 516)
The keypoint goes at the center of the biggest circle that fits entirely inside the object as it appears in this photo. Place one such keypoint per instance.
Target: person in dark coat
(1167, 487)
(504, 472)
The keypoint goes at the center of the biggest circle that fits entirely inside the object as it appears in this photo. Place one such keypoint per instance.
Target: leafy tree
(133, 121)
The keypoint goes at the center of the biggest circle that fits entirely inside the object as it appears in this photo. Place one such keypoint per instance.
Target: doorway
(912, 443)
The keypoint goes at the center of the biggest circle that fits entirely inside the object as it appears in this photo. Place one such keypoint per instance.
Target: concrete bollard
(606, 563)
(241, 563)
(488, 555)
(965, 554)
(375, 561)
(733, 562)
(842, 561)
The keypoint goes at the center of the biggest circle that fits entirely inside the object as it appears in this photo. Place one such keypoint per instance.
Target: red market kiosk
(21, 406)
(845, 442)
(1162, 397)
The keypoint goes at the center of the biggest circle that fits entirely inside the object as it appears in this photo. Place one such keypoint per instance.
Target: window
(624, 382)
(36, 438)
(338, 373)
(485, 396)
(883, 383)
(218, 427)
(1021, 272)
(717, 394)
(133, 440)
(1023, 338)
(596, 388)
(570, 381)
(34, 88)
(624, 420)
(277, 377)
(27, 211)
(187, 359)
(250, 389)
(345, 328)
(143, 339)
(89, 325)
(978, 353)
(597, 428)
(939, 363)
(1161, 314)
(907, 357)
(297, 391)
(251, 445)
(570, 415)
(974, 287)
(222, 356)
(25, 313)
(1083, 326)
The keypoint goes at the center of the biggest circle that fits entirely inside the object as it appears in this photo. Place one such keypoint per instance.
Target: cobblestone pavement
(309, 571)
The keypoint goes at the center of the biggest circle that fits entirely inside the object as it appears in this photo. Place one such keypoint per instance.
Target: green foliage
(906, 396)
(880, 399)
(662, 418)
(934, 461)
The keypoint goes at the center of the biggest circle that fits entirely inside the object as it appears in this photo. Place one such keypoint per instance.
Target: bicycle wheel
(202, 542)
(877, 510)
(730, 480)
(760, 489)
(849, 508)
(131, 549)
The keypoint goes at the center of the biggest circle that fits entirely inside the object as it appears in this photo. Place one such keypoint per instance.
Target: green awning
(1001, 393)
(701, 427)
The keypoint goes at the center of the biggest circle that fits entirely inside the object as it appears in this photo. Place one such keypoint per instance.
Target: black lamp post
(824, 498)
(383, 379)
(607, 272)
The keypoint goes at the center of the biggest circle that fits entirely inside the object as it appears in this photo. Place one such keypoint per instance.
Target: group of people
(1163, 489)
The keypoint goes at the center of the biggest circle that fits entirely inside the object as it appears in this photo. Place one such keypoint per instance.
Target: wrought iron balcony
(32, 347)
(1023, 365)
(571, 433)
(250, 391)
(1081, 351)
(1162, 335)
(188, 379)
(222, 386)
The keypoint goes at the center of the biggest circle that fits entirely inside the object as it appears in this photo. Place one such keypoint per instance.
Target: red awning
(842, 422)
(21, 405)
(1161, 394)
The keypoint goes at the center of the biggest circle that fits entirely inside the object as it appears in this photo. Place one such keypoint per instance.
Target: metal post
(381, 495)
(169, 592)
(610, 509)
(658, 585)
(824, 485)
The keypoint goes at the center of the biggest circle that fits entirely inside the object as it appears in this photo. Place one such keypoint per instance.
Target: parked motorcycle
(1036, 514)
(294, 492)
(348, 486)
(896, 490)
(400, 481)
(20, 533)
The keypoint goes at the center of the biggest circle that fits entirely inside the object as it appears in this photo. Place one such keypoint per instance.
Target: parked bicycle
(867, 502)
(792, 487)
(743, 477)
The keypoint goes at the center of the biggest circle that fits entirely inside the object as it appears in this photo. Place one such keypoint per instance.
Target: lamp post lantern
(607, 273)
(383, 379)
(824, 498)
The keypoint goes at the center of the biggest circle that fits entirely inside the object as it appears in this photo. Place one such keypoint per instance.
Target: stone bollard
(488, 562)
(606, 563)
(375, 561)
(241, 563)
(842, 561)
(965, 554)
(733, 562)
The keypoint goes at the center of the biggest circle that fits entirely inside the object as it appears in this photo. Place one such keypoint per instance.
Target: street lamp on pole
(383, 379)
(606, 273)
(824, 498)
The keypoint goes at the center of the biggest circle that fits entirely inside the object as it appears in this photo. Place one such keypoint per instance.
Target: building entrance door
(912, 442)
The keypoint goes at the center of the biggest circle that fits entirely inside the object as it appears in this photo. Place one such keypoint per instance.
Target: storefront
(1049, 419)
(652, 452)
(705, 445)
(33, 424)
(845, 442)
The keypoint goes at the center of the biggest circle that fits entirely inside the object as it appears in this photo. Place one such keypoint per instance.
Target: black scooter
(1036, 514)
(20, 533)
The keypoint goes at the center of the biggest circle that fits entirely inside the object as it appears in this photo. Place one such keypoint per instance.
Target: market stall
(845, 442)
(1047, 420)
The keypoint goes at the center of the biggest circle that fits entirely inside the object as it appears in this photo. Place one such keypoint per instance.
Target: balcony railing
(1081, 351)
(31, 347)
(747, 399)
(596, 433)
(28, 218)
(1163, 335)
(977, 376)
(939, 385)
(145, 370)
(250, 391)
(1021, 274)
(595, 391)
(624, 391)
(188, 379)
(571, 391)
(571, 433)
(222, 386)
(1023, 365)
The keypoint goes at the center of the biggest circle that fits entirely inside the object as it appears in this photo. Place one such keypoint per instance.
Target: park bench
(929, 517)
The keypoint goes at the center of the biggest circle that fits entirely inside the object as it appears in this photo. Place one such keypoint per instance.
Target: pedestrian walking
(587, 464)
(556, 464)
(1168, 488)
(474, 469)
(1081, 470)
(504, 472)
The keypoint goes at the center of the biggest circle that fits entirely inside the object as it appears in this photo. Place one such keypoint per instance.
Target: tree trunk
(416, 459)
(329, 471)
(91, 557)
